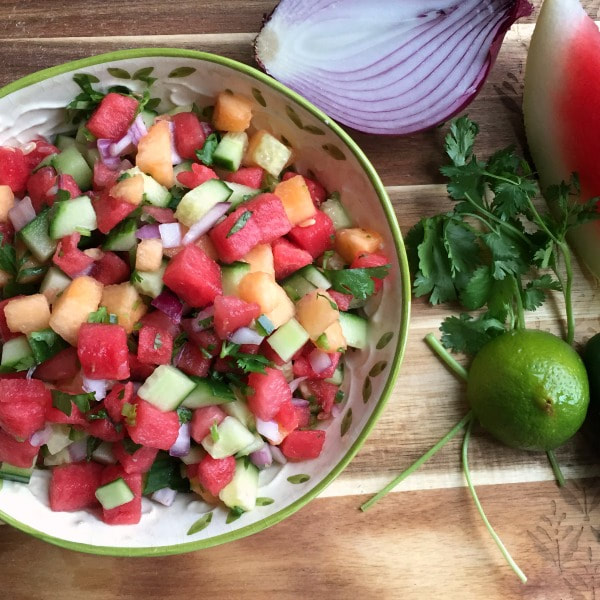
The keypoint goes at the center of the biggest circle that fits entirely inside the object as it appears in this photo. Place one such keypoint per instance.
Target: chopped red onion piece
(30, 372)
(262, 458)
(181, 447)
(21, 213)
(98, 386)
(278, 455)
(168, 303)
(175, 158)
(78, 450)
(319, 360)
(165, 496)
(336, 410)
(112, 162)
(269, 430)
(123, 146)
(41, 437)
(206, 128)
(206, 223)
(148, 232)
(137, 130)
(294, 383)
(245, 335)
(300, 402)
(170, 233)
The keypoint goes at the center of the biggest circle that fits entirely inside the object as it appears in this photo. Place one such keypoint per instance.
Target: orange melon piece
(124, 301)
(351, 243)
(232, 112)
(27, 314)
(296, 199)
(332, 339)
(71, 309)
(316, 312)
(130, 189)
(154, 154)
(262, 288)
(148, 255)
(7, 201)
(260, 259)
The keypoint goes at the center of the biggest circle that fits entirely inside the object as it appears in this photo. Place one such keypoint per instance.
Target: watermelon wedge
(560, 105)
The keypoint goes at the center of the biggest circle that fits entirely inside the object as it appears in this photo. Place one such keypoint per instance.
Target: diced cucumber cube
(113, 494)
(59, 439)
(70, 216)
(60, 458)
(241, 412)
(149, 283)
(194, 456)
(231, 275)
(228, 154)
(297, 287)
(198, 201)
(18, 474)
(148, 117)
(17, 355)
(62, 142)
(288, 339)
(242, 490)
(122, 238)
(166, 388)
(208, 392)
(36, 236)
(92, 156)
(154, 192)
(179, 109)
(338, 375)
(337, 213)
(257, 444)
(240, 193)
(71, 162)
(231, 437)
(314, 276)
(264, 325)
(355, 330)
(54, 283)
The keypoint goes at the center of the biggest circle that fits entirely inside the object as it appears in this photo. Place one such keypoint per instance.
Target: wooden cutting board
(423, 541)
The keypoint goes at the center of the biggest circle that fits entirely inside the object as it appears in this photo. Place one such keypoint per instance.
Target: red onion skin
(168, 303)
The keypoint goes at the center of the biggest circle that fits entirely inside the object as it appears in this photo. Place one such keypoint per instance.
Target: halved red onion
(78, 450)
(165, 496)
(386, 67)
(245, 335)
(206, 223)
(168, 303)
(21, 213)
(269, 430)
(41, 437)
(262, 458)
(137, 130)
(123, 146)
(148, 232)
(294, 383)
(175, 158)
(319, 360)
(181, 447)
(278, 455)
(203, 315)
(112, 162)
(98, 386)
(170, 234)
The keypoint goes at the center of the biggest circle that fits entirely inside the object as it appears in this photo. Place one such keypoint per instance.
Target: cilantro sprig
(249, 363)
(357, 282)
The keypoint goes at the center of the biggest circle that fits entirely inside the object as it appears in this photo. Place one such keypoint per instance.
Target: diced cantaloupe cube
(351, 243)
(266, 151)
(130, 189)
(260, 259)
(332, 339)
(27, 314)
(148, 255)
(154, 154)
(124, 301)
(72, 308)
(316, 311)
(296, 199)
(7, 201)
(232, 112)
(262, 288)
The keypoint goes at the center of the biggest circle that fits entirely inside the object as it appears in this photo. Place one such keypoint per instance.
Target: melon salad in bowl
(177, 304)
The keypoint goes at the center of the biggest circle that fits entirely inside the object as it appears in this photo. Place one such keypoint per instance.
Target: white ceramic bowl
(35, 104)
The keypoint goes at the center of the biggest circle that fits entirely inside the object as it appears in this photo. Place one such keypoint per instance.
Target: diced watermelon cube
(19, 454)
(365, 261)
(250, 176)
(14, 169)
(7, 231)
(270, 216)
(203, 419)
(154, 346)
(104, 177)
(303, 445)
(64, 365)
(138, 371)
(287, 417)
(134, 460)
(110, 211)
(271, 390)
(316, 238)
(206, 338)
(66, 183)
(110, 269)
(102, 351)
(126, 514)
(303, 415)
(73, 487)
(342, 300)
(197, 176)
(42, 149)
(215, 473)
(119, 395)
(69, 258)
(54, 415)
(325, 394)
(194, 277)
(192, 361)
(153, 427)
(23, 406)
(317, 192)
(39, 187)
(231, 313)
(303, 368)
(233, 246)
(160, 320)
(101, 427)
(287, 258)
(113, 116)
(188, 134)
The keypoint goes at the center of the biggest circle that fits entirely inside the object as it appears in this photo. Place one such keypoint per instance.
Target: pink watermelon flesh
(73, 487)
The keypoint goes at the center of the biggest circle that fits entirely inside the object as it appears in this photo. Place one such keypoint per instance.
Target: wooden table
(424, 541)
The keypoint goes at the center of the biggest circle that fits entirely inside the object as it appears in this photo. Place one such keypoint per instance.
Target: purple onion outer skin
(317, 91)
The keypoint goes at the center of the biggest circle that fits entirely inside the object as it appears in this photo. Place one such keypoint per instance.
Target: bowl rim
(404, 276)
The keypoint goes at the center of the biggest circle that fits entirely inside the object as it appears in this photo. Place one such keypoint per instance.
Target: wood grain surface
(426, 539)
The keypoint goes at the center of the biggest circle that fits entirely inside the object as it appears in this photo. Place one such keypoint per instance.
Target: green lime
(529, 389)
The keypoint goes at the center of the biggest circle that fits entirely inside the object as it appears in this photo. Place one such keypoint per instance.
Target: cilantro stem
(465, 461)
(567, 292)
(437, 347)
(424, 458)
(558, 474)
(519, 302)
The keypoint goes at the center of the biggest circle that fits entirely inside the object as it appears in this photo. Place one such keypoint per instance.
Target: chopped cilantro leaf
(357, 282)
(214, 432)
(205, 154)
(62, 401)
(240, 223)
